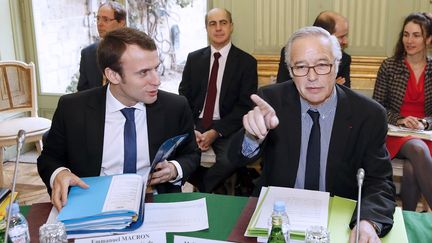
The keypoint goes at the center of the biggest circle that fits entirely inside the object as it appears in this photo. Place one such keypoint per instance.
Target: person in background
(119, 127)
(336, 25)
(313, 134)
(217, 81)
(404, 87)
(110, 16)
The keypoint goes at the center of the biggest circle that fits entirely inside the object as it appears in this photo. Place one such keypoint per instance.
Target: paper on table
(148, 237)
(186, 239)
(304, 207)
(168, 217)
(176, 217)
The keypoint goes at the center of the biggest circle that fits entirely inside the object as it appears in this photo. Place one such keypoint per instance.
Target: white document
(150, 237)
(124, 193)
(185, 239)
(304, 207)
(399, 131)
(163, 217)
(175, 217)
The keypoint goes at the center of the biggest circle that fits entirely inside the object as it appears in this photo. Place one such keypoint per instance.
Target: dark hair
(119, 10)
(326, 21)
(112, 47)
(425, 23)
(228, 13)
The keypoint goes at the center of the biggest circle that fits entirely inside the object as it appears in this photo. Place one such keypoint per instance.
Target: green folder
(341, 210)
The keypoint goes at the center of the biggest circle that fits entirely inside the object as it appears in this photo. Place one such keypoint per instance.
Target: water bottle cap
(15, 208)
(279, 206)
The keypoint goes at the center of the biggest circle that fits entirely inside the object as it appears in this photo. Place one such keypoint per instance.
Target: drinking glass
(53, 233)
(317, 234)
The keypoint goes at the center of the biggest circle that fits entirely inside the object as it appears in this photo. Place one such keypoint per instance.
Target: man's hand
(411, 122)
(367, 233)
(165, 171)
(198, 137)
(61, 184)
(261, 119)
(206, 139)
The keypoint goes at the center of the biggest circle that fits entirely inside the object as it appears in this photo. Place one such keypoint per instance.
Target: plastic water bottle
(279, 224)
(18, 227)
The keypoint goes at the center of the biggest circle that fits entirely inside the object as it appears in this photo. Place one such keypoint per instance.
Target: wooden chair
(18, 94)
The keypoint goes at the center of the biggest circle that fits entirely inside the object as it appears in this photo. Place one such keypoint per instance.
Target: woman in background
(404, 88)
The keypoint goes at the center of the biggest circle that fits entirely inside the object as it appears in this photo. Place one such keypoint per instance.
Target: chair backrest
(18, 87)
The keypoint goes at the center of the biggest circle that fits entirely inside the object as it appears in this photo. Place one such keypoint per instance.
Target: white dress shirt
(222, 62)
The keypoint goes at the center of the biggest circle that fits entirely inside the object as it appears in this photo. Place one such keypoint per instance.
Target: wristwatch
(425, 123)
(377, 226)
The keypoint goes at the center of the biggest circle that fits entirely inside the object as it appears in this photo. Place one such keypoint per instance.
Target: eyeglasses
(320, 69)
(103, 19)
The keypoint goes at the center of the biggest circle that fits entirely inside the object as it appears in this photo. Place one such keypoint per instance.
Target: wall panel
(275, 20)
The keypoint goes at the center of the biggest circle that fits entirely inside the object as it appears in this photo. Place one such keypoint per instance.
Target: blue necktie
(312, 175)
(130, 146)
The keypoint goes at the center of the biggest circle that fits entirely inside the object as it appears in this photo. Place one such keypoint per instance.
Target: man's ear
(113, 76)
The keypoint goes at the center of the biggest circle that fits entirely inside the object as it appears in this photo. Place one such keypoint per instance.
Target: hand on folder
(367, 233)
(63, 180)
(165, 171)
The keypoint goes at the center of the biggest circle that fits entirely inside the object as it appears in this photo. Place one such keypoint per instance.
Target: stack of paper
(403, 131)
(304, 208)
(110, 203)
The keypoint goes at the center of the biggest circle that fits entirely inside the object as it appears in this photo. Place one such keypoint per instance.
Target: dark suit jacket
(391, 84)
(90, 73)
(76, 137)
(239, 81)
(357, 141)
(344, 69)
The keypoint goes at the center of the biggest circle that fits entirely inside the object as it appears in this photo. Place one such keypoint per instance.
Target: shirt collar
(114, 105)
(223, 51)
(324, 109)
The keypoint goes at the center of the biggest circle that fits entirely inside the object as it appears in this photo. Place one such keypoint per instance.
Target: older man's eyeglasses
(103, 19)
(320, 69)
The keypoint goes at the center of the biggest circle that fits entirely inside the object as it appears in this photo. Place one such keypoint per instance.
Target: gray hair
(318, 32)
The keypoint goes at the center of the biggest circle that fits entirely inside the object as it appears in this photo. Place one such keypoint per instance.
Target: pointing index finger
(262, 104)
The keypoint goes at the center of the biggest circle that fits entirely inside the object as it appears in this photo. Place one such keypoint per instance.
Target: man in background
(111, 16)
(217, 81)
(336, 25)
(119, 127)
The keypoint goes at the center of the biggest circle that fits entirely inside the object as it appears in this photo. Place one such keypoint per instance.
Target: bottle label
(19, 234)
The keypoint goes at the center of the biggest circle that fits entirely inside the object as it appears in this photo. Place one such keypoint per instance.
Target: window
(64, 28)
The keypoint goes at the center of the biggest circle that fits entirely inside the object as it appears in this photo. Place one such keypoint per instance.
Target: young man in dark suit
(313, 134)
(217, 81)
(111, 16)
(119, 127)
(336, 25)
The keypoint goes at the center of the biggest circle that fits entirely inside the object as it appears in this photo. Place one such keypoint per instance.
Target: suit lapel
(230, 67)
(155, 126)
(293, 132)
(95, 125)
(341, 130)
(204, 67)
